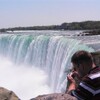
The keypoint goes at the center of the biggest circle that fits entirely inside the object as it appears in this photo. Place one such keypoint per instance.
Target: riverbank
(85, 25)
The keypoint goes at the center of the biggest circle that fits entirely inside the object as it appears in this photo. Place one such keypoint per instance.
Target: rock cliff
(55, 96)
(7, 95)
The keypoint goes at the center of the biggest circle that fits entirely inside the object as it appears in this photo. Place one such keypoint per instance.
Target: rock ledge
(55, 96)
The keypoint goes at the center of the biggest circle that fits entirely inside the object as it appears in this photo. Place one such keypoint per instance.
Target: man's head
(82, 62)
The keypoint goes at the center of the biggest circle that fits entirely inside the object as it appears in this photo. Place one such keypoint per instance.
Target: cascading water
(46, 61)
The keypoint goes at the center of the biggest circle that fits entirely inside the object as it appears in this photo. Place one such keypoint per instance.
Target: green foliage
(86, 25)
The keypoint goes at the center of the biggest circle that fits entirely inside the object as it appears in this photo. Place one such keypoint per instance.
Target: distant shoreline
(90, 27)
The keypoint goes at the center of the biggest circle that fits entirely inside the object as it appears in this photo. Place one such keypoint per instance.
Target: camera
(73, 74)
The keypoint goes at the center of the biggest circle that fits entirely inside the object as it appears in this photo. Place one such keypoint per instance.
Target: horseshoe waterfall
(31, 65)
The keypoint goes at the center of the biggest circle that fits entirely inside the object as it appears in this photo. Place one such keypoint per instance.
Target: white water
(34, 65)
(25, 81)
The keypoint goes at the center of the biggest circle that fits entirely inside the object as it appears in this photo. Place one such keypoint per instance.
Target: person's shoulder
(92, 79)
(94, 75)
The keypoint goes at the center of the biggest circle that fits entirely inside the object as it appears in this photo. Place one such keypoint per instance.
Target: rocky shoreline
(91, 32)
(55, 96)
(10, 95)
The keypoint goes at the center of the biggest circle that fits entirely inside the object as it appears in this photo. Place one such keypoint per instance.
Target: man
(86, 70)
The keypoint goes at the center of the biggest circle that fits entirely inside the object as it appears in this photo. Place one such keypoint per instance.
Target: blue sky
(14, 13)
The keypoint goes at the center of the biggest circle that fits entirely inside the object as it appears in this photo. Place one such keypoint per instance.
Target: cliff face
(55, 96)
(96, 56)
(9, 95)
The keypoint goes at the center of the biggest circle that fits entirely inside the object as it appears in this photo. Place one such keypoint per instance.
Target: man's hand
(71, 77)
(71, 81)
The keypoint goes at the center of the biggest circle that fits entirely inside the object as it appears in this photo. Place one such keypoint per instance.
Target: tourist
(89, 75)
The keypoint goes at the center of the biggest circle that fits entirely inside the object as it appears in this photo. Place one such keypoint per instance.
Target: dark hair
(82, 56)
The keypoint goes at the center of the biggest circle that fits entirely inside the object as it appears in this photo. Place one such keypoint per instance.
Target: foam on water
(25, 81)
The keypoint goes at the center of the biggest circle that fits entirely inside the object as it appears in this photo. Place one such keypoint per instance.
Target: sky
(15, 13)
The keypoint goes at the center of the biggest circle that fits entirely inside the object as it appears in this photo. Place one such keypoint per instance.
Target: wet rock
(96, 57)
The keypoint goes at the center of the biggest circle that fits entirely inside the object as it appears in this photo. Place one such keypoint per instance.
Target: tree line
(86, 25)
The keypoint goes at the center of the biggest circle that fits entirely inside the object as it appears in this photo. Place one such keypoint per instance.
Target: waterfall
(49, 53)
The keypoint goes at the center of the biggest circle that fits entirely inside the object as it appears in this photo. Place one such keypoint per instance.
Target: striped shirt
(89, 87)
